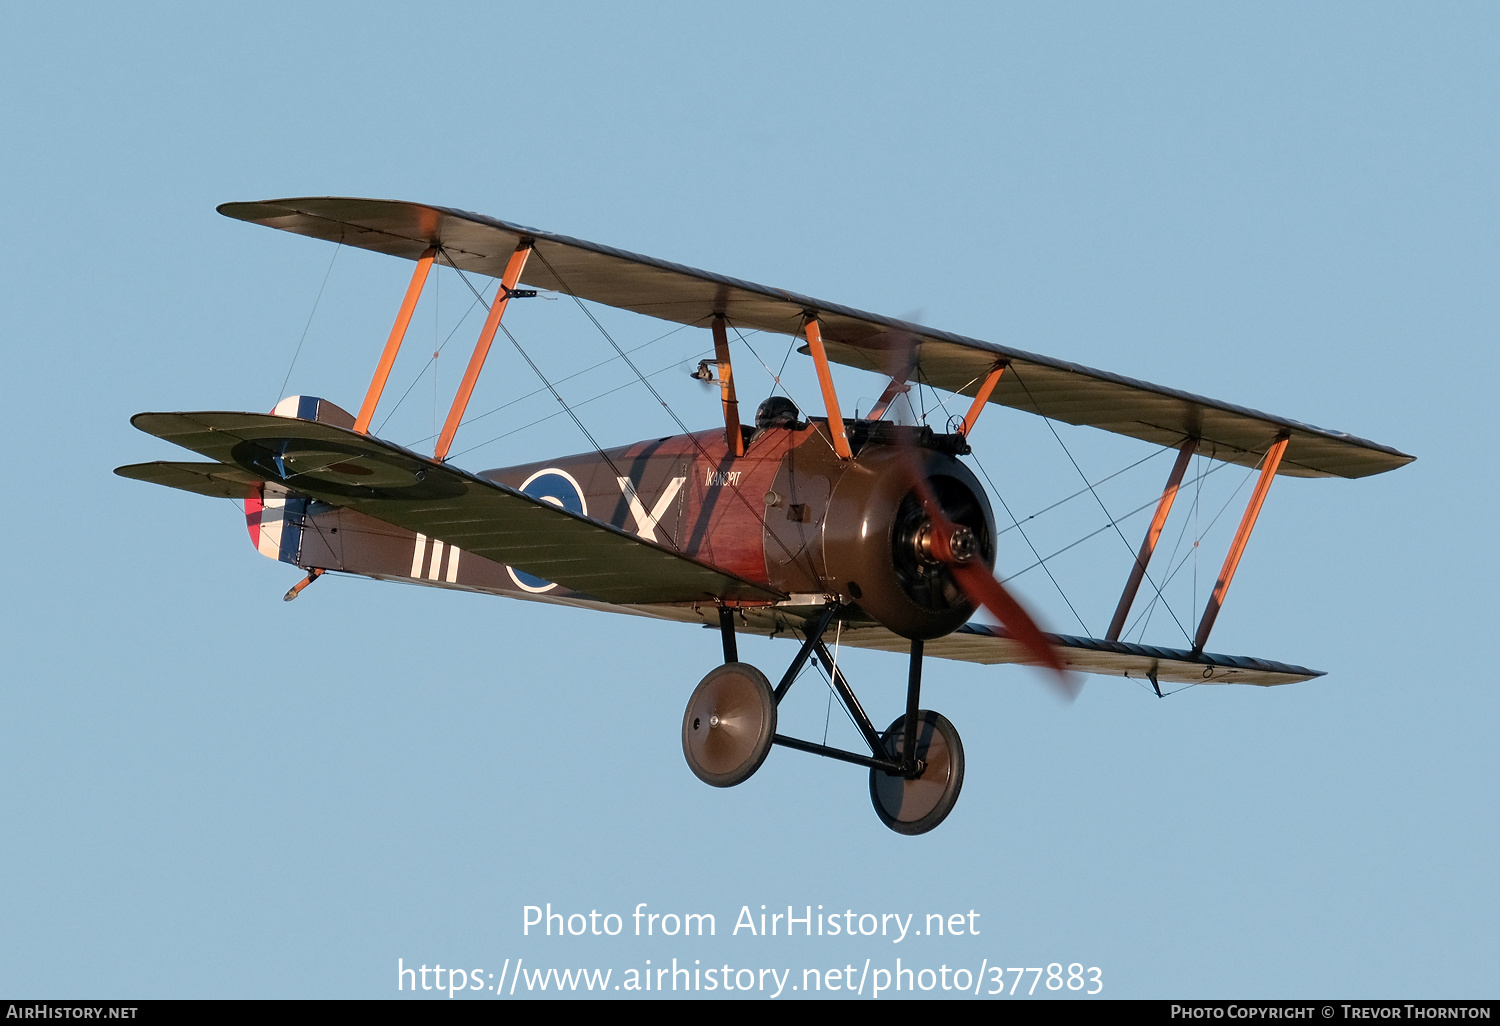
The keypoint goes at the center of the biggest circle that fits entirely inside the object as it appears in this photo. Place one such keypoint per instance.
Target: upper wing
(1035, 384)
(979, 643)
(400, 487)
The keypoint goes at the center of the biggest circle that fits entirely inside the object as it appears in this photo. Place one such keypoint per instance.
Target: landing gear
(915, 804)
(916, 767)
(729, 725)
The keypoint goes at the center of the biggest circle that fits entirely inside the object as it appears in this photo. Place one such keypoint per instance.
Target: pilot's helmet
(777, 411)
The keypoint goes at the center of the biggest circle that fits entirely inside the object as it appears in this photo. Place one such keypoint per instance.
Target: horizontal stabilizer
(401, 487)
(212, 479)
(980, 643)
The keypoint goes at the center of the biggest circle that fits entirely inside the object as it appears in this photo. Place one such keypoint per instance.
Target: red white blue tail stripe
(275, 517)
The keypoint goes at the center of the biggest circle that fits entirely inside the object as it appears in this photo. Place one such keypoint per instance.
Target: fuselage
(788, 514)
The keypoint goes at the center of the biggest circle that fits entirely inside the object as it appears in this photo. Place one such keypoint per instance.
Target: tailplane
(274, 516)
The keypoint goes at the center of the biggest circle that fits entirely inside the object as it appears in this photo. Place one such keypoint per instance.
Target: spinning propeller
(954, 546)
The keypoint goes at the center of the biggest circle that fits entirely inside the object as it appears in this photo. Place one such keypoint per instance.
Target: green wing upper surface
(212, 479)
(400, 487)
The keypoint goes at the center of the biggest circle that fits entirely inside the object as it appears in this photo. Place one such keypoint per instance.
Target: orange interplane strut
(1241, 537)
(830, 397)
(733, 436)
(481, 350)
(1148, 545)
(393, 343)
(981, 397)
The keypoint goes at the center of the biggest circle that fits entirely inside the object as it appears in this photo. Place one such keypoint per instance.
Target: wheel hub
(729, 724)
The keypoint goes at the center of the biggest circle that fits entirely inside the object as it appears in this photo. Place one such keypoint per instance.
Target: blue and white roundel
(559, 488)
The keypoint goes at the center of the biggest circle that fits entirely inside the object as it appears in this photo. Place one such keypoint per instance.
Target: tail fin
(310, 407)
(275, 516)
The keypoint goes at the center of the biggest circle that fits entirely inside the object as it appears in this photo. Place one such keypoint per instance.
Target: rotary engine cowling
(876, 539)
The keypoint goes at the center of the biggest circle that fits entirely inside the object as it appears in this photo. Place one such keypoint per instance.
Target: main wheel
(916, 806)
(729, 724)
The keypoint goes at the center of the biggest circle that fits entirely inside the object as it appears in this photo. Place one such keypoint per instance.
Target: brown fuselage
(789, 514)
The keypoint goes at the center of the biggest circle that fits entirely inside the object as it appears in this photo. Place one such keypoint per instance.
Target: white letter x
(646, 522)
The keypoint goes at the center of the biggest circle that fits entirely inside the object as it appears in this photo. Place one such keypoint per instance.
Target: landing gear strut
(916, 766)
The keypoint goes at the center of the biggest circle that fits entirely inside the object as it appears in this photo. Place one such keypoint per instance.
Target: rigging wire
(1193, 552)
(1143, 618)
(552, 416)
(1050, 427)
(568, 377)
(827, 715)
(555, 394)
(1197, 535)
(708, 458)
(1084, 491)
(1138, 682)
(1096, 531)
(822, 672)
(615, 345)
(822, 429)
(942, 404)
(392, 412)
(1039, 560)
(281, 394)
(775, 377)
(790, 346)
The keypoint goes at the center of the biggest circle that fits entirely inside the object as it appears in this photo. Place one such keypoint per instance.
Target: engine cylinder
(878, 546)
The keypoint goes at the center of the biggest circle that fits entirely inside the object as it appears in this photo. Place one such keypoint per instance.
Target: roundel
(559, 488)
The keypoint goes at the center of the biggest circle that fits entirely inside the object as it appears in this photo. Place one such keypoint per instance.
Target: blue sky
(208, 792)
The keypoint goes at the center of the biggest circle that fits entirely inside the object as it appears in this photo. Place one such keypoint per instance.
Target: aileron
(981, 643)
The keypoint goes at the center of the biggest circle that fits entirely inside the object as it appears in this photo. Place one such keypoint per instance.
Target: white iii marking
(419, 556)
(434, 569)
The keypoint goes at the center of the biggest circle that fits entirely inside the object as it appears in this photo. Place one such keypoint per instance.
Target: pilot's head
(777, 411)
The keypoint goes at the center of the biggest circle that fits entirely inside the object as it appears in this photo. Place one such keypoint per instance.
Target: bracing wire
(1084, 491)
(443, 345)
(942, 404)
(1040, 561)
(281, 393)
(827, 715)
(581, 403)
(1143, 619)
(1193, 551)
(569, 377)
(555, 394)
(1128, 548)
(615, 345)
(696, 442)
(775, 377)
(437, 327)
(1097, 531)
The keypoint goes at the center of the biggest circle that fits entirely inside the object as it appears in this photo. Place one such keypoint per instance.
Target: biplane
(792, 526)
